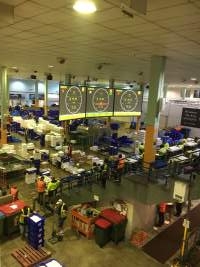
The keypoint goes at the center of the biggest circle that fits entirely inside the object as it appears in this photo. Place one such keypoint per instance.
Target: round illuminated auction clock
(100, 100)
(73, 99)
(128, 101)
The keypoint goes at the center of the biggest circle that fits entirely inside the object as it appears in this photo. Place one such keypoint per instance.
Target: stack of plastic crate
(36, 231)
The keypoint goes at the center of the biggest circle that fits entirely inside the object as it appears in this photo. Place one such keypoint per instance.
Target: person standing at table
(52, 189)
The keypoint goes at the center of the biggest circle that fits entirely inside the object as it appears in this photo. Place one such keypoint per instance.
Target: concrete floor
(73, 252)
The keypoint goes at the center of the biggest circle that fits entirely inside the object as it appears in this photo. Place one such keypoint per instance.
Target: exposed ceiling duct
(6, 13)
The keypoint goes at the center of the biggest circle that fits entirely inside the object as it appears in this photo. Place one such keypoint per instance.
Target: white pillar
(4, 104)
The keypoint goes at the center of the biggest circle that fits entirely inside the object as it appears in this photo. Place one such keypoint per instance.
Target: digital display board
(128, 102)
(99, 102)
(190, 117)
(72, 102)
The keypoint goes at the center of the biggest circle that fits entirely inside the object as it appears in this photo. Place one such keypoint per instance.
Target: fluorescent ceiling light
(193, 79)
(84, 6)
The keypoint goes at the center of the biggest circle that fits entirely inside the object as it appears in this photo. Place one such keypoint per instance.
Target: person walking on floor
(41, 186)
(61, 212)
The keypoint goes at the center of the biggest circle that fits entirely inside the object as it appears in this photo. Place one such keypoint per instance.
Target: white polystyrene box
(61, 153)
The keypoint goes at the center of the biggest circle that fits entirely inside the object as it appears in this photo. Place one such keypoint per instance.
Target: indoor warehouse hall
(99, 133)
(131, 214)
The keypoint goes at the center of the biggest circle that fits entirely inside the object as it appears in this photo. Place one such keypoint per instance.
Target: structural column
(138, 124)
(68, 79)
(36, 94)
(4, 104)
(111, 85)
(46, 97)
(156, 91)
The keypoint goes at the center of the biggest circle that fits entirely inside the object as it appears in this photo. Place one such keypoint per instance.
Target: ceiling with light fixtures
(43, 31)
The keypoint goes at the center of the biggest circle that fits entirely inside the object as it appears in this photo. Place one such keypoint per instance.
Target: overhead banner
(72, 102)
(99, 102)
(128, 102)
(190, 117)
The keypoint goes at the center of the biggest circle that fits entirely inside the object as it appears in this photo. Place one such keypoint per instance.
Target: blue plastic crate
(113, 150)
(35, 235)
(36, 242)
(114, 126)
(35, 229)
(36, 221)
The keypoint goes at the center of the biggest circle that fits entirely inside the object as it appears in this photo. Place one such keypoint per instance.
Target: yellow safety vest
(52, 186)
(23, 216)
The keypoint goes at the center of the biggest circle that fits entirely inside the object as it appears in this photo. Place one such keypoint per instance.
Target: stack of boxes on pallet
(36, 231)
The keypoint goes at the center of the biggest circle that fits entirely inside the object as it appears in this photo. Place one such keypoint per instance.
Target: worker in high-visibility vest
(52, 189)
(41, 186)
(23, 222)
(61, 212)
(163, 150)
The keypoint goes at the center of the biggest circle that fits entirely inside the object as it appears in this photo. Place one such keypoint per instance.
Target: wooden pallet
(28, 256)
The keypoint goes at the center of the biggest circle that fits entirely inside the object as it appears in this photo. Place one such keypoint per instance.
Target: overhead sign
(72, 102)
(99, 102)
(128, 102)
(180, 191)
(190, 117)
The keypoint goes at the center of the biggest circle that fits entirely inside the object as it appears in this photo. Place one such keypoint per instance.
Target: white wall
(173, 94)
(170, 116)
(175, 113)
(26, 87)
